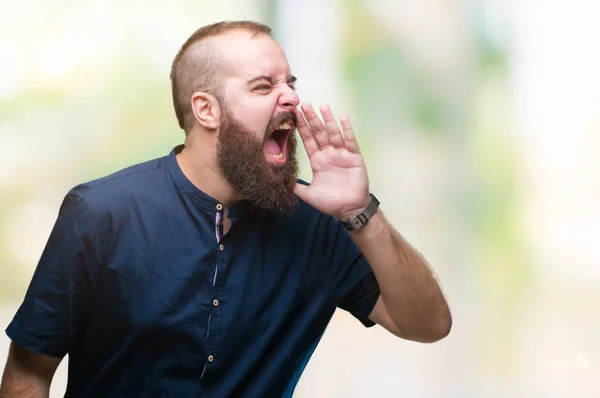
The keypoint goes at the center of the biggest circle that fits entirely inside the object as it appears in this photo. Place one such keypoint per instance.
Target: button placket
(213, 317)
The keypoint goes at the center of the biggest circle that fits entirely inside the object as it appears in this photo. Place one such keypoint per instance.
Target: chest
(213, 303)
(199, 278)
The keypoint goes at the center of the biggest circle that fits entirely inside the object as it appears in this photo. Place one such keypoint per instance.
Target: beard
(242, 159)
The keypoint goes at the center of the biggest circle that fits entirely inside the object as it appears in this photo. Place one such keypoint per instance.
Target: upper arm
(56, 307)
(27, 373)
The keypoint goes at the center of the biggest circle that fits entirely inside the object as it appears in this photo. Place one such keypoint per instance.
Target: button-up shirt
(147, 296)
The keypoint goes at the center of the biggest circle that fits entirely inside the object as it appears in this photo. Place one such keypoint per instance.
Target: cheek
(254, 112)
(257, 119)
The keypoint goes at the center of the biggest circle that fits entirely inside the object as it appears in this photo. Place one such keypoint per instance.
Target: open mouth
(276, 145)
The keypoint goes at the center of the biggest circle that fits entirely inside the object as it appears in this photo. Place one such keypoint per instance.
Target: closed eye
(262, 87)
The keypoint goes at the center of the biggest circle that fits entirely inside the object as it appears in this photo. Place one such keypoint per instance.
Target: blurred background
(479, 121)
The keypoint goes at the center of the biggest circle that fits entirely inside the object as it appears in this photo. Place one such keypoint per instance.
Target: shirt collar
(197, 195)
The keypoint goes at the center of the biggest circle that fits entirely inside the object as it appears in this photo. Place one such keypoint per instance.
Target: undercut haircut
(196, 67)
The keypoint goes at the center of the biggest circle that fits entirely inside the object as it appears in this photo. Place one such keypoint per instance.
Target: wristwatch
(353, 224)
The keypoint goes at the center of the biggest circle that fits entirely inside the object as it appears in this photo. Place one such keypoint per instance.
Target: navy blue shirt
(139, 286)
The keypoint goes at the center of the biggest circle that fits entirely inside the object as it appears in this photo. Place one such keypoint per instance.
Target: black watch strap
(355, 223)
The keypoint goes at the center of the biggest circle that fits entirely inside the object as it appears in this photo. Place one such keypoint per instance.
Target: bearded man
(214, 271)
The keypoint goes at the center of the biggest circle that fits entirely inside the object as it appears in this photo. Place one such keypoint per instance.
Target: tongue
(272, 146)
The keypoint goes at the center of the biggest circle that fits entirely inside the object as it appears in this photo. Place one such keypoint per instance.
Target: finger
(335, 134)
(310, 145)
(317, 127)
(351, 143)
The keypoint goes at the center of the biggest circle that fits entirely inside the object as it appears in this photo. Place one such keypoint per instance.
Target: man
(213, 271)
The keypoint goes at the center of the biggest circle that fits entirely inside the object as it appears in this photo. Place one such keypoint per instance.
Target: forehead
(244, 56)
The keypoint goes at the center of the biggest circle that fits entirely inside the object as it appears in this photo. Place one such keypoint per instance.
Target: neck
(198, 162)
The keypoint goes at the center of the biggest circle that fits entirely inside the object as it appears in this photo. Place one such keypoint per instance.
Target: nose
(288, 98)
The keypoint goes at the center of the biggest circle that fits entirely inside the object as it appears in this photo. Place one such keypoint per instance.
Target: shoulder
(121, 187)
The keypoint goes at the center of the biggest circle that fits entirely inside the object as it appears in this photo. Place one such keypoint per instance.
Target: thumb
(301, 191)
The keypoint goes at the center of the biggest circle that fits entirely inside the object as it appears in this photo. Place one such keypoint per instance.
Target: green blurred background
(479, 123)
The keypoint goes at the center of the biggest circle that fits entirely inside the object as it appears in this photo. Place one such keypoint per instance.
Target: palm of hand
(340, 183)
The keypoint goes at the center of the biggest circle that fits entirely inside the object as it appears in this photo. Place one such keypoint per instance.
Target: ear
(206, 110)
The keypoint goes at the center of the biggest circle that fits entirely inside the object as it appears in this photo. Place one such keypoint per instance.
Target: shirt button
(219, 207)
(211, 358)
(215, 302)
(221, 247)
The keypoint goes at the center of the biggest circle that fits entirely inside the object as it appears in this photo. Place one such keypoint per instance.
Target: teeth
(284, 126)
(280, 156)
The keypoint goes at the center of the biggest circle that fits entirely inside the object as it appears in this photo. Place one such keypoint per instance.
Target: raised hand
(340, 185)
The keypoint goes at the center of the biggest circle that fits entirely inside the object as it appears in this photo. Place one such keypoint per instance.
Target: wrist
(356, 219)
(353, 213)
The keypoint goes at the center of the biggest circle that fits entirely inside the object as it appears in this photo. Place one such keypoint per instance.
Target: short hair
(196, 67)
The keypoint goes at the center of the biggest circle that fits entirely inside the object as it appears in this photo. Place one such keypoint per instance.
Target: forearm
(27, 374)
(19, 385)
(409, 289)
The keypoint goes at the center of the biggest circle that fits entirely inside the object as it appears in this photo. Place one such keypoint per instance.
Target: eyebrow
(291, 79)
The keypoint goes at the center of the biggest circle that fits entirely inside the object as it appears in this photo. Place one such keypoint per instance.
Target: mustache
(280, 118)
